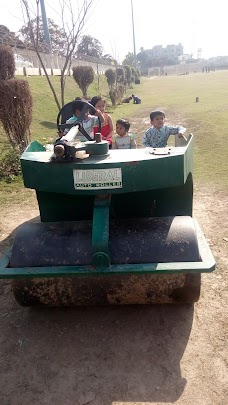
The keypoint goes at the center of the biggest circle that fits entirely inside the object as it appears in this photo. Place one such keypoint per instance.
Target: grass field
(176, 95)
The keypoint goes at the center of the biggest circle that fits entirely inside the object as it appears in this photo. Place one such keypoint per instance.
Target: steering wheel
(70, 106)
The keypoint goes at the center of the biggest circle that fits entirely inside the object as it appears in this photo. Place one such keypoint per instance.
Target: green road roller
(115, 226)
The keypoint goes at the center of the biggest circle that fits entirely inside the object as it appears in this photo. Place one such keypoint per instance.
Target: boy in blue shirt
(136, 100)
(158, 135)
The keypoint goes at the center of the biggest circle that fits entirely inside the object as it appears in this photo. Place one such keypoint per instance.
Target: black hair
(125, 123)
(77, 105)
(95, 99)
(155, 113)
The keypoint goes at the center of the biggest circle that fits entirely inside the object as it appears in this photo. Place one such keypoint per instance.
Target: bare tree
(73, 22)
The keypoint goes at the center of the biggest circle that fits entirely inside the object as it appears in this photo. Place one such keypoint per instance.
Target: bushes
(116, 83)
(7, 63)
(138, 72)
(16, 112)
(128, 74)
(132, 74)
(10, 165)
(84, 76)
(137, 76)
(119, 79)
(15, 103)
(113, 96)
(111, 77)
(120, 75)
(116, 94)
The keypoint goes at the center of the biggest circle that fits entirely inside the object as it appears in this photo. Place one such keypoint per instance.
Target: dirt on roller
(143, 355)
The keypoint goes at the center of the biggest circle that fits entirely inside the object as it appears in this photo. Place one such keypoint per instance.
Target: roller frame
(207, 265)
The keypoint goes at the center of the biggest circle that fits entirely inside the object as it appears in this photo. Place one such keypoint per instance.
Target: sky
(194, 23)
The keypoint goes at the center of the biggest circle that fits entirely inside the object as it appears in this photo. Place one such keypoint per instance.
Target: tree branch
(72, 34)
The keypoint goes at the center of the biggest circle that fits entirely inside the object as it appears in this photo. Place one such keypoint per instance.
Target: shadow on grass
(99, 355)
(49, 125)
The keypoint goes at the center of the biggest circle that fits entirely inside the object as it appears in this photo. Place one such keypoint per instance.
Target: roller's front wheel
(108, 290)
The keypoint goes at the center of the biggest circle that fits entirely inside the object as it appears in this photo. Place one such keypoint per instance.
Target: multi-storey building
(170, 51)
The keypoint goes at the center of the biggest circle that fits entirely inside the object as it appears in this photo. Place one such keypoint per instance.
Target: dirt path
(120, 356)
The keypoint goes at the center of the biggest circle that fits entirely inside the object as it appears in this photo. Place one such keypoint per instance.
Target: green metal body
(97, 148)
(123, 184)
(144, 176)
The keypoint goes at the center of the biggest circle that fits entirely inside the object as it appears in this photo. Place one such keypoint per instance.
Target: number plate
(97, 179)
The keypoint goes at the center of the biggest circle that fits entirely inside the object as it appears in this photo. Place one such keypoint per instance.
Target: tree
(90, 46)
(73, 22)
(84, 76)
(110, 59)
(57, 36)
(143, 59)
(129, 59)
(9, 38)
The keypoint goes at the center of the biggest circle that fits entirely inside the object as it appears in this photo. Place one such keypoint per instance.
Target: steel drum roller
(151, 240)
(170, 239)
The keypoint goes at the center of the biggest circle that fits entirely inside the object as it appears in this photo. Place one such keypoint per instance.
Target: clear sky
(194, 23)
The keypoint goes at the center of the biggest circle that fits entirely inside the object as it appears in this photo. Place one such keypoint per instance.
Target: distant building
(184, 58)
(169, 52)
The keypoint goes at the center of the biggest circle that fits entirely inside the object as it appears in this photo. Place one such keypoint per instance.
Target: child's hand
(60, 133)
(100, 115)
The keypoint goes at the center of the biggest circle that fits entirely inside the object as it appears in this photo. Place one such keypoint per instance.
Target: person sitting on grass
(122, 139)
(89, 121)
(127, 100)
(136, 100)
(158, 135)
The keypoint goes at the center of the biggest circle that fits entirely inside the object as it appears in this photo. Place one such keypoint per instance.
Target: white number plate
(97, 179)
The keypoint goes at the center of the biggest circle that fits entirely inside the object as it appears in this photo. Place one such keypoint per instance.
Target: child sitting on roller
(122, 139)
(107, 126)
(89, 121)
(158, 135)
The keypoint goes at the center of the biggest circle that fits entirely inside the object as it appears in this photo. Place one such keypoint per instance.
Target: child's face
(120, 130)
(100, 105)
(158, 121)
(78, 113)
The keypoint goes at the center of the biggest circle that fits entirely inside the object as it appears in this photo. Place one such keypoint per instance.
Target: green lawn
(45, 110)
(176, 95)
(207, 119)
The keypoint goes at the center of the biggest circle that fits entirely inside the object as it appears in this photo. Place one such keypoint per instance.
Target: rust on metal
(108, 290)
